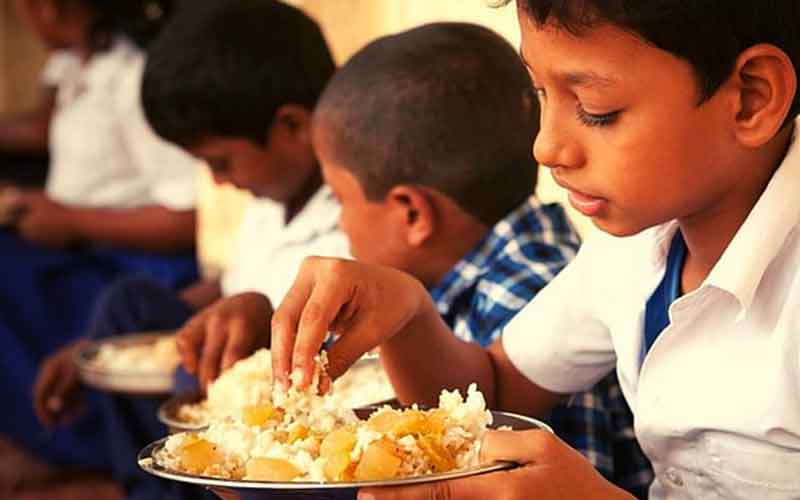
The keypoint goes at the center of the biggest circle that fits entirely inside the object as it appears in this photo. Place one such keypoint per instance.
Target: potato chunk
(338, 441)
(198, 455)
(440, 457)
(407, 422)
(336, 465)
(258, 415)
(379, 461)
(271, 469)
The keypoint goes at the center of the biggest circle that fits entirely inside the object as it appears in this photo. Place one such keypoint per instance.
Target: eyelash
(592, 120)
(588, 119)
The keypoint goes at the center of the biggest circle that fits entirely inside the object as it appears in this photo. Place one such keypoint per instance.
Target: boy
(434, 173)
(691, 297)
(234, 83)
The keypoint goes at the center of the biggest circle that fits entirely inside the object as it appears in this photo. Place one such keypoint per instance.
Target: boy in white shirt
(672, 126)
(117, 200)
(234, 83)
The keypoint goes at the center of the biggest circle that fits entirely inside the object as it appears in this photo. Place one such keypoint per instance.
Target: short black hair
(446, 106)
(708, 34)
(139, 20)
(224, 67)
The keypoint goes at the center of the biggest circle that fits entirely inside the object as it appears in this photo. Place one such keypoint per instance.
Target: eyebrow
(587, 79)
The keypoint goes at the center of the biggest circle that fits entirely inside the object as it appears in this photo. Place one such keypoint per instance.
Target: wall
(21, 59)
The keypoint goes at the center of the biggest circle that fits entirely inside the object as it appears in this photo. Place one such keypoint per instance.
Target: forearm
(202, 294)
(426, 357)
(23, 135)
(516, 393)
(151, 228)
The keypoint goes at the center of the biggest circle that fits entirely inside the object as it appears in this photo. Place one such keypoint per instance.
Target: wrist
(425, 317)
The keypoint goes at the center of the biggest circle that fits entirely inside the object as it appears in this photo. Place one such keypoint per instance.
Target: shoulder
(60, 66)
(118, 72)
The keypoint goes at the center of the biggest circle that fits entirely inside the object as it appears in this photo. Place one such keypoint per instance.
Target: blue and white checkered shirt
(516, 259)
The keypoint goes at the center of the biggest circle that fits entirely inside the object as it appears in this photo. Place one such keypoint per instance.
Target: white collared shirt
(103, 152)
(269, 251)
(716, 401)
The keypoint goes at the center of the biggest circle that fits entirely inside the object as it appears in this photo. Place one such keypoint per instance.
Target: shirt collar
(319, 215)
(493, 246)
(763, 233)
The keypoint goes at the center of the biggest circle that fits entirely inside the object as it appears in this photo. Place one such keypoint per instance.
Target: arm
(152, 228)
(430, 344)
(202, 294)
(223, 333)
(373, 305)
(28, 132)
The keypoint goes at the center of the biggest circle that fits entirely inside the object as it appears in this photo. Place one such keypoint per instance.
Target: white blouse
(103, 152)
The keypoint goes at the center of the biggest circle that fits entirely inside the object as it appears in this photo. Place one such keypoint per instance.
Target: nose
(554, 145)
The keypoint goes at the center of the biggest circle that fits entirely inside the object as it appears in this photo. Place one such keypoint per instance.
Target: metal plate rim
(148, 464)
(119, 380)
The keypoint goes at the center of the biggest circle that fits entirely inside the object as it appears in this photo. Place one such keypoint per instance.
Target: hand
(45, 221)
(57, 390)
(364, 304)
(549, 470)
(223, 333)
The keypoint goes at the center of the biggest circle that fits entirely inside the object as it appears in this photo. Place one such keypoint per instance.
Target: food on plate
(300, 435)
(248, 384)
(157, 356)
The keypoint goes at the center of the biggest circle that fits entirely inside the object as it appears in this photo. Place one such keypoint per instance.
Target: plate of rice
(136, 364)
(302, 444)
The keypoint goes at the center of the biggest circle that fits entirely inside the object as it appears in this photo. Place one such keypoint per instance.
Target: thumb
(521, 447)
(478, 487)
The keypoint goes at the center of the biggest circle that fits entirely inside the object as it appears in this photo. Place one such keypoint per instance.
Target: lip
(590, 206)
(587, 204)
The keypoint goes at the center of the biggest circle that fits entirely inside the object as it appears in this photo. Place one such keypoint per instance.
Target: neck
(457, 234)
(299, 200)
(709, 232)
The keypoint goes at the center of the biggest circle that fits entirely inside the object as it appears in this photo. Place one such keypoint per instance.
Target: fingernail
(365, 496)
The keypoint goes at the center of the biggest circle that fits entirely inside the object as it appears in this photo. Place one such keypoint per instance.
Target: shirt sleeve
(58, 67)
(171, 173)
(559, 341)
(332, 243)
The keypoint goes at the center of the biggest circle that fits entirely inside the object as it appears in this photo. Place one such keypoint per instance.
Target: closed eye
(595, 120)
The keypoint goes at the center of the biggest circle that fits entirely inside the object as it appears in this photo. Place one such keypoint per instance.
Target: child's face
(622, 130)
(262, 170)
(371, 226)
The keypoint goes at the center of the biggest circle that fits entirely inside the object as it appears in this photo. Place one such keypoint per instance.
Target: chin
(617, 228)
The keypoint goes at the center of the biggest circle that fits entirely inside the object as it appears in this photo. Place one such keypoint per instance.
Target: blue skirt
(46, 300)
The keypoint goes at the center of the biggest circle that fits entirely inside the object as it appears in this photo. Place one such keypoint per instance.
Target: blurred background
(348, 24)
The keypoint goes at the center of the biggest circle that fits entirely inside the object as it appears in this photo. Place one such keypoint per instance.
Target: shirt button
(674, 478)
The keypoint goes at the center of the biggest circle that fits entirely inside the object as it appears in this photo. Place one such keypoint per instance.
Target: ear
(293, 117)
(417, 212)
(292, 122)
(766, 84)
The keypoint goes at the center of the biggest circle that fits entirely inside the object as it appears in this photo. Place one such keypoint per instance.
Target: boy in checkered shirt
(425, 139)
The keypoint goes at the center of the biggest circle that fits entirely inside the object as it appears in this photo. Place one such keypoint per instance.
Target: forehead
(599, 56)
(215, 146)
